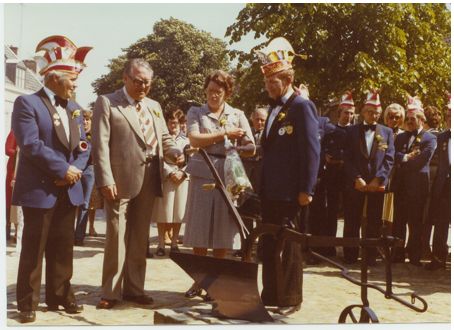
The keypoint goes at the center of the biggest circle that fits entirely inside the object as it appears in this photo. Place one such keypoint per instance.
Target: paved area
(326, 293)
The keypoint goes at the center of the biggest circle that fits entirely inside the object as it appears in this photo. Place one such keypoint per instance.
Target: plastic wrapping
(236, 180)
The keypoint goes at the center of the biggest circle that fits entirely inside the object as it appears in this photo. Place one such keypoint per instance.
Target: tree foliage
(181, 57)
(400, 49)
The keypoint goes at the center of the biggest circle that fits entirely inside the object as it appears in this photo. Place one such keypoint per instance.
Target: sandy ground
(326, 293)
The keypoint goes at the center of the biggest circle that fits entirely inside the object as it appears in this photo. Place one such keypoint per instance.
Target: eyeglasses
(139, 82)
(394, 117)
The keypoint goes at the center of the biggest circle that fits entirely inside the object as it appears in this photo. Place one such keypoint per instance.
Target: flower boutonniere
(281, 116)
(223, 121)
(379, 138)
(418, 139)
(75, 114)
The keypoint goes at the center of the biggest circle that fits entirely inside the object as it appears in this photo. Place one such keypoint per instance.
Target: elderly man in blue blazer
(53, 153)
(414, 150)
(291, 150)
(440, 199)
(369, 156)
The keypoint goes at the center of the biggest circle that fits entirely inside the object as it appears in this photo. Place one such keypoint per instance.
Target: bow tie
(414, 133)
(369, 127)
(274, 103)
(61, 102)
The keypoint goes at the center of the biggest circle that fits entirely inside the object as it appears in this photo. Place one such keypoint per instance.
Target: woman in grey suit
(208, 222)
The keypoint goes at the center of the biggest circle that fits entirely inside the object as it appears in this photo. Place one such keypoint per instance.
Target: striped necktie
(146, 126)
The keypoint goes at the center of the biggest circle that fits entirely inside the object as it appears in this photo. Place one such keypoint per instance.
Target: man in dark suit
(333, 146)
(53, 152)
(369, 156)
(414, 150)
(290, 164)
(440, 202)
(317, 217)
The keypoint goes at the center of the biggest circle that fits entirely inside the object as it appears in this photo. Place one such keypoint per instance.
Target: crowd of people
(128, 157)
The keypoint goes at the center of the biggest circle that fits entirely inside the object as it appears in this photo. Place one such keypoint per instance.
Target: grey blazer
(119, 147)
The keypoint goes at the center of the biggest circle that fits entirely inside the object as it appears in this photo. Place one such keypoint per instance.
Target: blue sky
(108, 28)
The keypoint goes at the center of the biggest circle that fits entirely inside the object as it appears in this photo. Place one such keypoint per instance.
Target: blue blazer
(413, 174)
(358, 163)
(444, 167)
(291, 152)
(45, 152)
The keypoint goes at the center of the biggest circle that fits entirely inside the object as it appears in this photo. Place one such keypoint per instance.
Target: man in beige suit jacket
(130, 140)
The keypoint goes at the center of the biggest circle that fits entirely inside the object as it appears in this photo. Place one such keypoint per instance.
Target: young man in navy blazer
(291, 151)
(440, 201)
(414, 150)
(368, 159)
(53, 153)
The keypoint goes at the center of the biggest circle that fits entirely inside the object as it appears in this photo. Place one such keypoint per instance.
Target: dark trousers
(48, 232)
(354, 205)
(442, 222)
(283, 280)
(88, 182)
(335, 187)
(409, 209)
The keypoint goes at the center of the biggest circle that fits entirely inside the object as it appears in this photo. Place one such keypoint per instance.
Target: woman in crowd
(393, 117)
(168, 211)
(209, 224)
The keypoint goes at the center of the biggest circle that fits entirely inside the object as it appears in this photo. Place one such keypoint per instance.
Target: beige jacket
(119, 147)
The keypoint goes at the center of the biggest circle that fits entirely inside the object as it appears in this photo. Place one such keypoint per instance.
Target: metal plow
(232, 284)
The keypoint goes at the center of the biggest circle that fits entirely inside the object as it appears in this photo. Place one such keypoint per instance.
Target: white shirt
(369, 135)
(61, 111)
(276, 110)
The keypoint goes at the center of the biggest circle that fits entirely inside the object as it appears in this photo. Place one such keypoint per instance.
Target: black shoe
(27, 316)
(78, 243)
(150, 254)
(193, 291)
(434, 265)
(174, 248)
(141, 300)
(70, 308)
(160, 252)
(288, 310)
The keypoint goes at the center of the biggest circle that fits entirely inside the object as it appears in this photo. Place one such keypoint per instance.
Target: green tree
(400, 49)
(181, 57)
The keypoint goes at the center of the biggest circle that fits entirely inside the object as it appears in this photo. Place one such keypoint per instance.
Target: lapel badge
(57, 122)
(289, 129)
(156, 113)
(56, 116)
(281, 131)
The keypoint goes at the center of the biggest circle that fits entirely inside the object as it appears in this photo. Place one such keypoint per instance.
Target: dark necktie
(274, 103)
(369, 127)
(61, 102)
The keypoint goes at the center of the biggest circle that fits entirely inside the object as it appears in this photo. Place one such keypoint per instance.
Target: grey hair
(394, 106)
(137, 62)
(258, 110)
(58, 74)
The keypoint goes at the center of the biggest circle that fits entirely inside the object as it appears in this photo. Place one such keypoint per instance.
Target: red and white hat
(373, 99)
(347, 100)
(61, 54)
(414, 105)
